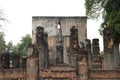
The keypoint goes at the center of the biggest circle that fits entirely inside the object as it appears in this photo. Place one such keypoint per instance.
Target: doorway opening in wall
(59, 46)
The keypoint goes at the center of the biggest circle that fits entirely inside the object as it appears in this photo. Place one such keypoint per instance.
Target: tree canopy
(9, 47)
(21, 48)
(2, 43)
(110, 10)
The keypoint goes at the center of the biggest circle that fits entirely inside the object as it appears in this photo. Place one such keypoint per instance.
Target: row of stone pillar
(78, 55)
(8, 61)
(94, 58)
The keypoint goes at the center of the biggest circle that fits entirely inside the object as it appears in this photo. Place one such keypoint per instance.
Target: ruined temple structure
(77, 57)
(71, 56)
(68, 54)
(61, 51)
(58, 30)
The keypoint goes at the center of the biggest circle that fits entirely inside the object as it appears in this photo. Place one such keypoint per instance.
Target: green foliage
(110, 10)
(93, 8)
(2, 40)
(21, 48)
(9, 47)
(2, 43)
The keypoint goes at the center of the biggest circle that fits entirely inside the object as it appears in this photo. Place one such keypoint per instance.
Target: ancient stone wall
(7, 74)
(50, 24)
(52, 49)
(66, 49)
(104, 74)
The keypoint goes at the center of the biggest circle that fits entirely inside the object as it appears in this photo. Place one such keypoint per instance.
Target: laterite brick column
(96, 59)
(82, 65)
(32, 63)
(74, 46)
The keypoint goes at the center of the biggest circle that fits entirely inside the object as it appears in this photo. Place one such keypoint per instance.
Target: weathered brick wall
(78, 22)
(92, 74)
(66, 49)
(52, 49)
(60, 71)
(104, 74)
(12, 74)
(50, 24)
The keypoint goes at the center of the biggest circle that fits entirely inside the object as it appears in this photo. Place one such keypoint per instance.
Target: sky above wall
(19, 14)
